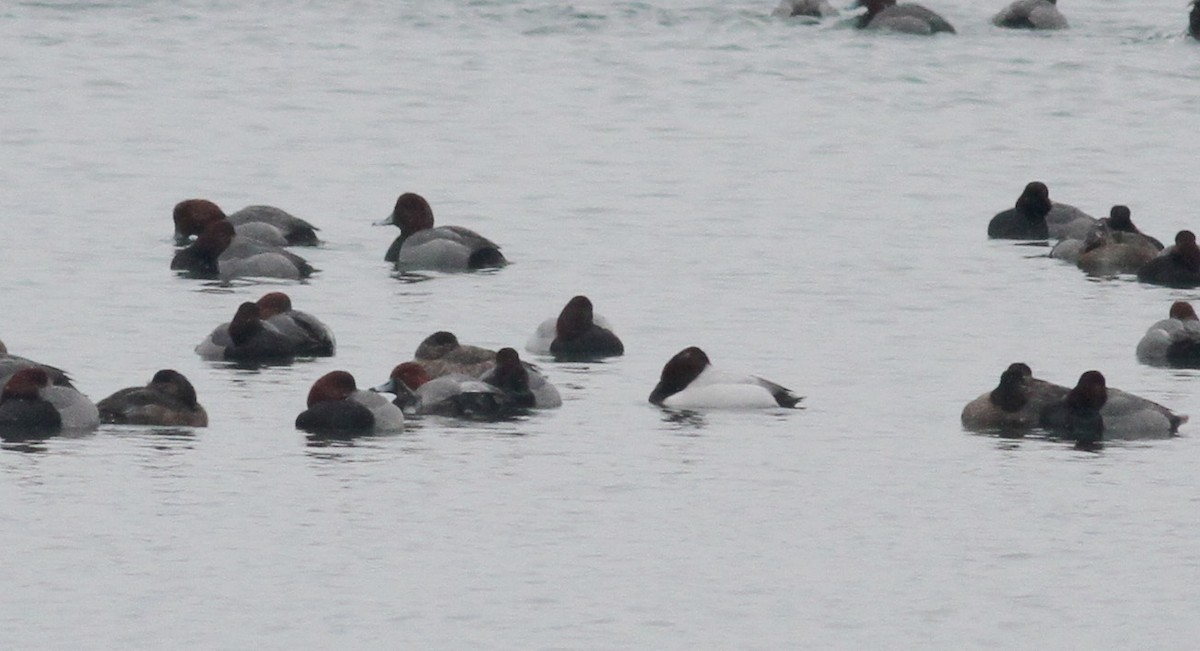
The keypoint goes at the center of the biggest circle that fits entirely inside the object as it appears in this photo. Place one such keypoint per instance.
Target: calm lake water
(806, 202)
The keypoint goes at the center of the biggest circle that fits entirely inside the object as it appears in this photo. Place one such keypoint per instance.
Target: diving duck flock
(448, 378)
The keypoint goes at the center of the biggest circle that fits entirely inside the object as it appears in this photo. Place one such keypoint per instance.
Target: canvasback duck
(1125, 414)
(909, 18)
(308, 336)
(1174, 341)
(1036, 217)
(1077, 416)
(336, 404)
(75, 410)
(689, 381)
(421, 246)
(168, 400)
(265, 224)
(440, 353)
(804, 8)
(577, 334)
(454, 394)
(1178, 266)
(23, 410)
(248, 338)
(523, 385)
(1031, 14)
(218, 253)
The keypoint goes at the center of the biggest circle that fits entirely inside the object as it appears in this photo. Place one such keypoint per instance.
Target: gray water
(803, 202)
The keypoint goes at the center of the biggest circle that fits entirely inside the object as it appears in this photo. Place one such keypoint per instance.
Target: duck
(909, 18)
(440, 353)
(1113, 246)
(168, 400)
(218, 253)
(1126, 415)
(1174, 341)
(1036, 217)
(10, 364)
(248, 338)
(522, 384)
(1031, 14)
(1177, 266)
(75, 411)
(453, 394)
(337, 405)
(689, 381)
(307, 336)
(23, 410)
(266, 224)
(1194, 20)
(422, 247)
(1013, 405)
(1077, 416)
(577, 334)
(804, 8)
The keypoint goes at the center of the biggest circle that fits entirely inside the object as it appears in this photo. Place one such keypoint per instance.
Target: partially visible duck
(337, 405)
(1194, 20)
(440, 353)
(23, 410)
(265, 224)
(75, 410)
(1031, 14)
(805, 8)
(1116, 246)
(453, 394)
(577, 334)
(248, 338)
(1174, 341)
(306, 335)
(689, 381)
(1077, 417)
(168, 400)
(421, 246)
(1013, 405)
(10, 364)
(910, 18)
(1178, 266)
(219, 253)
(523, 385)
(1035, 217)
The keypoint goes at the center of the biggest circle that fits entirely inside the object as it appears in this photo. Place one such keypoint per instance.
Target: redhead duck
(689, 381)
(265, 224)
(1031, 14)
(75, 410)
(168, 400)
(1174, 341)
(577, 334)
(1077, 416)
(421, 246)
(909, 18)
(440, 353)
(1035, 217)
(23, 410)
(335, 404)
(524, 386)
(219, 253)
(453, 394)
(248, 338)
(804, 8)
(307, 336)
(1178, 266)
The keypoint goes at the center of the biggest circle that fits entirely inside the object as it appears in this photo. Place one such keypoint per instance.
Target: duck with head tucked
(689, 381)
(28, 388)
(1036, 217)
(1113, 246)
(440, 353)
(77, 410)
(1178, 266)
(168, 400)
(804, 8)
(337, 405)
(578, 334)
(423, 247)
(909, 18)
(1077, 416)
(453, 394)
(265, 224)
(1031, 14)
(521, 383)
(219, 253)
(1174, 341)
(299, 334)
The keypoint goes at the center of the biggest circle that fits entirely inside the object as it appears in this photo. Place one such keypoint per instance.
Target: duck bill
(386, 387)
(390, 220)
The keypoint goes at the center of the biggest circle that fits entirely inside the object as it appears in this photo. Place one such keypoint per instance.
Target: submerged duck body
(909, 18)
(1036, 217)
(440, 353)
(804, 8)
(1174, 341)
(1031, 14)
(336, 405)
(168, 400)
(688, 381)
(423, 247)
(576, 334)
